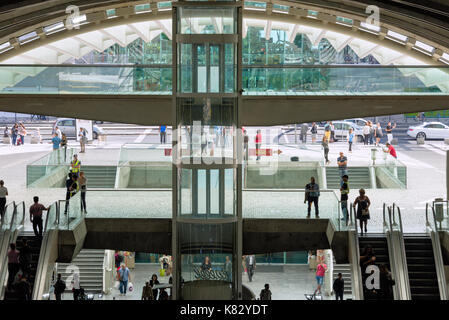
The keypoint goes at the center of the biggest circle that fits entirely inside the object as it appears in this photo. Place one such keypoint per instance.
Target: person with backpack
(60, 287)
(363, 203)
(265, 294)
(311, 195)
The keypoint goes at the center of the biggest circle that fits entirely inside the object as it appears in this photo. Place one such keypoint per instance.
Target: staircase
(100, 176)
(345, 270)
(421, 268)
(35, 246)
(358, 178)
(90, 265)
(380, 247)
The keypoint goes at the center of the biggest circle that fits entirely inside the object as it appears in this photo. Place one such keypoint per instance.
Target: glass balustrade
(52, 161)
(257, 80)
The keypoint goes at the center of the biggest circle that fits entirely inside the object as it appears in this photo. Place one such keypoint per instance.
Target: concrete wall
(284, 176)
(70, 242)
(122, 177)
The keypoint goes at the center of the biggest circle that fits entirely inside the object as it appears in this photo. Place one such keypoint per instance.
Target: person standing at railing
(36, 216)
(56, 142)
(342, 162)
(391, 150)
(311, 196)
(3, 194)
(72, 188)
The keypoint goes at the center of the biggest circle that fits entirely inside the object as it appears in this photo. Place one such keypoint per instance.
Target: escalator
(422, 271)
(379, 244)
(34, 245)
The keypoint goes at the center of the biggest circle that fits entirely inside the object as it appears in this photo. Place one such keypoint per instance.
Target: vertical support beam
(238, 153)
(447, 174)
(175, 138)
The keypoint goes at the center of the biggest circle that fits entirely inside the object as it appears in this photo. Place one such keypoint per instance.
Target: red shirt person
(391, 150)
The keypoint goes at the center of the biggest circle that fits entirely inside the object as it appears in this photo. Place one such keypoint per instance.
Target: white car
(429, 130)
(342, 130)
(358, 121)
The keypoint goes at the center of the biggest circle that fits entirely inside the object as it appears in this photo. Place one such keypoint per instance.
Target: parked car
(429, 130)
(68, 126)
(358, 121)
(342, 130)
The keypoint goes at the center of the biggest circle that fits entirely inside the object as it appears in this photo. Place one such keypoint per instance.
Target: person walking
(75, 166)
(22, 133)
(154, 281)
(378, 133)
(60, 287)
(325, 144)
(372, 132)
(265, 294)
(258, 141)
(82, 134)
(339, 287)
(319, 275)
(344, 190)
(76, 285)
(304, 128)
(36, 216)
(386, 283)
(311, 196)
(147, 292)
(162, 132)
(227, 267)
(3, 195)
(13, 264)
(342, 162)
(123, 277)
(82, 181)
(366, 132)
(350, 139)
(389, 131)
(14, 134)
(64, 145)
(332, 127)
(363, 203)
(327, 132)
(56, 143)
(250, 261)
(23, 288)
(314, 131)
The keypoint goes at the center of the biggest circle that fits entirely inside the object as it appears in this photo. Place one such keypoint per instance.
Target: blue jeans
(123, 286)
(344, 209)
(342, 172)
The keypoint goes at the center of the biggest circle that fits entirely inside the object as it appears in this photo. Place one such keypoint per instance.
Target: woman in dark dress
(207, 265)
(153, 282)
(363, 203)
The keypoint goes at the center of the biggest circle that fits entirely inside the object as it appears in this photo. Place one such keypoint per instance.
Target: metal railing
(433, 231)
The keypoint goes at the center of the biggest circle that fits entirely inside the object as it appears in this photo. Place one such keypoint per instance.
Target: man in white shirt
(3, 194)
(58, 132)
(366, 131)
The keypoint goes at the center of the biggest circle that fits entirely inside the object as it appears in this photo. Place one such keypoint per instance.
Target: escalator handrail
(439, 264)
(13, 216)
(399, 216)
(4, 214)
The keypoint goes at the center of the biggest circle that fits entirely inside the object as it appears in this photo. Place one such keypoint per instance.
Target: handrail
(23, 213)
(13, 215)
(439, 264)
(399, 216)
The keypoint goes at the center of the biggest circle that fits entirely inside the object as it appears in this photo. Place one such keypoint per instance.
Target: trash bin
(439, 209)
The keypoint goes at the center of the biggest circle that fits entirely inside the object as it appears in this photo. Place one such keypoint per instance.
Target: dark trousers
(365, 139)
(83, 201)
(2, 207)
(58, 296)
(326, 154)
(339, 295)
(250, 270)
(76, 294)
(163, 136)
(13, 268)
(67, 198)
(37, 224)
(257, 151)
(350, 146)
(313, 200)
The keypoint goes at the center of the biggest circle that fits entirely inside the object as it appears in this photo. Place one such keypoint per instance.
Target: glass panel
(202, 192)
(7, 217)
(214, 81)
(214, 192)
(206, 20)
(201, 68)
(229, 197)
(186, 192)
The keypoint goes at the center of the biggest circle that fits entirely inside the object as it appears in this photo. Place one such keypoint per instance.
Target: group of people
(372, 134)
(76, 181)
(17, 133)
(19, 268)
(151, 293)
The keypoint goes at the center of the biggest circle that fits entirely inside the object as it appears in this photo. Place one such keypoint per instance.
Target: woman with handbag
(363, 203)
